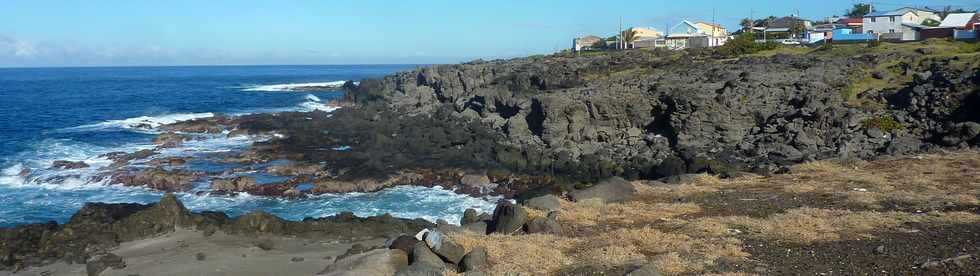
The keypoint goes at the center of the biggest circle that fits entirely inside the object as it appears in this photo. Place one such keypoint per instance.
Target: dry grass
(521, 254)
(673, 228)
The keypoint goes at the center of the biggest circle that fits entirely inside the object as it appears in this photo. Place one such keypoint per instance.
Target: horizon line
(207, 65)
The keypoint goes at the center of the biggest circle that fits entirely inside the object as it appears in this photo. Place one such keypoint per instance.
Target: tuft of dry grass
(535, 254)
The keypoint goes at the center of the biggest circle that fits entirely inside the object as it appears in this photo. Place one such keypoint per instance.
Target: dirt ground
(914, 215)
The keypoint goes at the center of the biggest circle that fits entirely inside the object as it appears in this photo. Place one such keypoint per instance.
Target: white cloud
(10, 46)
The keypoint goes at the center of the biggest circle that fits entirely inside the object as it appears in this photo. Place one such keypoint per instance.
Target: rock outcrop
(99, 227)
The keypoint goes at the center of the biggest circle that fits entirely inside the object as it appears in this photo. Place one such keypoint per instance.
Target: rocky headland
(640, 162)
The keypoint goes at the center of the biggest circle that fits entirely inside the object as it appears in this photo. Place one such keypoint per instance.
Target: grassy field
(883, 217)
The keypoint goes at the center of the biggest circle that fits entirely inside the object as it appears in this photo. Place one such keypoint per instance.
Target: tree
(859, 10)
(747, 25)
(797, 27)
(765, 21)
(930, 23)
(629, 36)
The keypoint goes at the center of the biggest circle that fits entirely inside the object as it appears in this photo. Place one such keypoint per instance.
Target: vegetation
(747, 25)
(742, 45)
(930, 23)
(737, 225)
(859, 10)
(884, 123)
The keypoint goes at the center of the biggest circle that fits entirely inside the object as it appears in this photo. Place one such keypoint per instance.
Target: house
(902, 24)
(820, 33)
(645, 37)
(961, 25)
(586, 43)
(783, 27)
(688, 34)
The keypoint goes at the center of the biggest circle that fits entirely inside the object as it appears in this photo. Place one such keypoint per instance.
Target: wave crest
(289, 87)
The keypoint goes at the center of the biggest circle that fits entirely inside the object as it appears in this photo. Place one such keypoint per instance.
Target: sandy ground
(176, 254)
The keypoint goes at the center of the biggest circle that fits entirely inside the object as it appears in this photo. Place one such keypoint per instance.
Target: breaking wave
(143, 123)
(289, 87)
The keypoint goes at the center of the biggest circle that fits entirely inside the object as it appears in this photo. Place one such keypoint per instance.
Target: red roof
(851, 21)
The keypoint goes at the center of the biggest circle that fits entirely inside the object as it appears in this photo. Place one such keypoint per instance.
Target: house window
(892, 18)
(891, 31)
(873, 19)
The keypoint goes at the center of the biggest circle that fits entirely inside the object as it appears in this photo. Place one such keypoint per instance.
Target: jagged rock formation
(653, 114)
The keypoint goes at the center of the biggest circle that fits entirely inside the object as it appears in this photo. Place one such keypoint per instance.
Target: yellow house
(711, 29)
(645, 37)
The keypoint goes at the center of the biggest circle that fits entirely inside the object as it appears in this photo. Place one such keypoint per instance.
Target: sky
(43, 33)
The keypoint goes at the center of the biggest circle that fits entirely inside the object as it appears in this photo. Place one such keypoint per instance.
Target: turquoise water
(79, 114)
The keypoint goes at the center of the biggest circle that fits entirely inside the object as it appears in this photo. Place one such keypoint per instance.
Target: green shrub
(742, 45)
(884, 123)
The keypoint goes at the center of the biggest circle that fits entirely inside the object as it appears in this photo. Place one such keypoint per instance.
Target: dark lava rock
(121, 158)
(476, 260)
(508, 219)
(157, 178)
(610, 190)
(170, 140)
(200, 256)
(237, 184)
(297, 259)
(100, 263)
(404, 243)
(68, 165)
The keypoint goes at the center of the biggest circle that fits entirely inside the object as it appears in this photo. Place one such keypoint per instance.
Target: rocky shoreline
(99, 227)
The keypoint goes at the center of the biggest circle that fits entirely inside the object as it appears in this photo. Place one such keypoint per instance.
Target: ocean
(78, 114)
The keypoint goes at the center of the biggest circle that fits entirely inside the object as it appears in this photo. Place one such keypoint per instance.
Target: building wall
(883, 24)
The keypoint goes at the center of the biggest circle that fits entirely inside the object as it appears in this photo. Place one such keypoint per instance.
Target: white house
(688, 34)
(901, 24)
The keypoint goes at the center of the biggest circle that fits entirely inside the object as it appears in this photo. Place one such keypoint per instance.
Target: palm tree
(629, 36)
(747, 25)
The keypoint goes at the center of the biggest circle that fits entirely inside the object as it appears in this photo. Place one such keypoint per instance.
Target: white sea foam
(143, 123)
(296, 86)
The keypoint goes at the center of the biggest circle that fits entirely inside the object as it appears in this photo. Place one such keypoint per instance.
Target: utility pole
(621, 38)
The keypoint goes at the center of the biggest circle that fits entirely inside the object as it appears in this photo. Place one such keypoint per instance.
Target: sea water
(78, 114)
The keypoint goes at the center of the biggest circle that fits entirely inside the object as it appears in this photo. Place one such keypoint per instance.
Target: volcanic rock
(610, 190)
(508, 219)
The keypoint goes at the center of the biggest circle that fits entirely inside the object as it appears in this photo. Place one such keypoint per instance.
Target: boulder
(68, 165)
(445, 248)
(100, 263)
(375, 262)
(508, 219)
(611, 190)
(469, 216)
(479, 227)
(543, 226)
(544, 203)
(404, 243)
(423, 256)
(475, 261)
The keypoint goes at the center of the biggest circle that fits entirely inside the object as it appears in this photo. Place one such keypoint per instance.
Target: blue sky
(184, 32)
